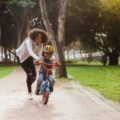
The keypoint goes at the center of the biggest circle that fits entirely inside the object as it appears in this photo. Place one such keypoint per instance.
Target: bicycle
(45, 86)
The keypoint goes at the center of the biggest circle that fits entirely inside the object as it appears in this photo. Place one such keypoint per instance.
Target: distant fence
(7, 55)
(77, 55)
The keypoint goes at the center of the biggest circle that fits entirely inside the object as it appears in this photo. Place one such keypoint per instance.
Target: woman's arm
(30, 49)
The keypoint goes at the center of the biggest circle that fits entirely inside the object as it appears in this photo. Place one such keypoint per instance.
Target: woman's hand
(38, 62)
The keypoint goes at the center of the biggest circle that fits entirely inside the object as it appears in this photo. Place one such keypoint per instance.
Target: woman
(29, 50)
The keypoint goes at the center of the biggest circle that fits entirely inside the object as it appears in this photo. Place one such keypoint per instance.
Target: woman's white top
(29, 48)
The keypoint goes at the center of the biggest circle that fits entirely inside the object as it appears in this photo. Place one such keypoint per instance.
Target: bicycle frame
(45, 85)
(45, 91)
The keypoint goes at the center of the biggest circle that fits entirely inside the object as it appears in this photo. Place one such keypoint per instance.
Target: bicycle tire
(45, 97)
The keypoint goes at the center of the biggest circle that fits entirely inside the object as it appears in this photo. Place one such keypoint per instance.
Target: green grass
(6, 70)
(104, 79)
(78, 62)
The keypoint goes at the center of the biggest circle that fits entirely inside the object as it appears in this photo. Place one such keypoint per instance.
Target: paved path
(69, 101)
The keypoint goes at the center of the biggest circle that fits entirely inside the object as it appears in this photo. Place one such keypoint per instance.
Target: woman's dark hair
(33, 33)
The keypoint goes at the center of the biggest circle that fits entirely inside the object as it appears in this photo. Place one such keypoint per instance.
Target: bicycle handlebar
(53, 64)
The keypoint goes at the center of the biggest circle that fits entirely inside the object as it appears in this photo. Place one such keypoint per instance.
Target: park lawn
(105, 79)
(6, 70)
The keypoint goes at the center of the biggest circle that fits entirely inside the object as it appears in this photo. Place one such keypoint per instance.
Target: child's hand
(57, 64)
(38, 62)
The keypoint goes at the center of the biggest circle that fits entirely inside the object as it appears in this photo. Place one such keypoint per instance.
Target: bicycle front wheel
(45, 97)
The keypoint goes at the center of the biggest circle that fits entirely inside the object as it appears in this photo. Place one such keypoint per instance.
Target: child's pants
(41, 79)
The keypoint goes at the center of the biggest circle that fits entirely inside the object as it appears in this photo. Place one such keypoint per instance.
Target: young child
(47, 54)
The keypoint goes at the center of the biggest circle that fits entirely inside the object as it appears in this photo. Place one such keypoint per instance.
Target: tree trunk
(9, 54)
(104, 59)
(113, 58)
(81, 57)
(0, 33)
(74, 54)
(90, 58)
(46, 21)
(62, 68)
(23, 27)
(5, 54)
(61, 36)
(19, 34)
(26, 24)
(1, 1)
(2, 53)
(68, 56)
(48, 26)
(59, 43)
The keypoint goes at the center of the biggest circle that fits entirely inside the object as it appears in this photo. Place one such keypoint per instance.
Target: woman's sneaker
(30, 97)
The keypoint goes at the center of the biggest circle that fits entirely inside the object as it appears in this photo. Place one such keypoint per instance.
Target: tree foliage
(97, 24)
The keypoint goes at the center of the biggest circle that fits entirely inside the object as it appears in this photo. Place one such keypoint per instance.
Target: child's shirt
(42, 68)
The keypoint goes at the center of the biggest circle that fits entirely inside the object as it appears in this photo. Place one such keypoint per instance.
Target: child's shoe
(30, 97)
(51, 88)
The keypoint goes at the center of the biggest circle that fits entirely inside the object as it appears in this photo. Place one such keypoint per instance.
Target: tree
(14, 23)
(57, 40)
(103, 32)
(110, 14)
(99, 26)
(20, 12)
